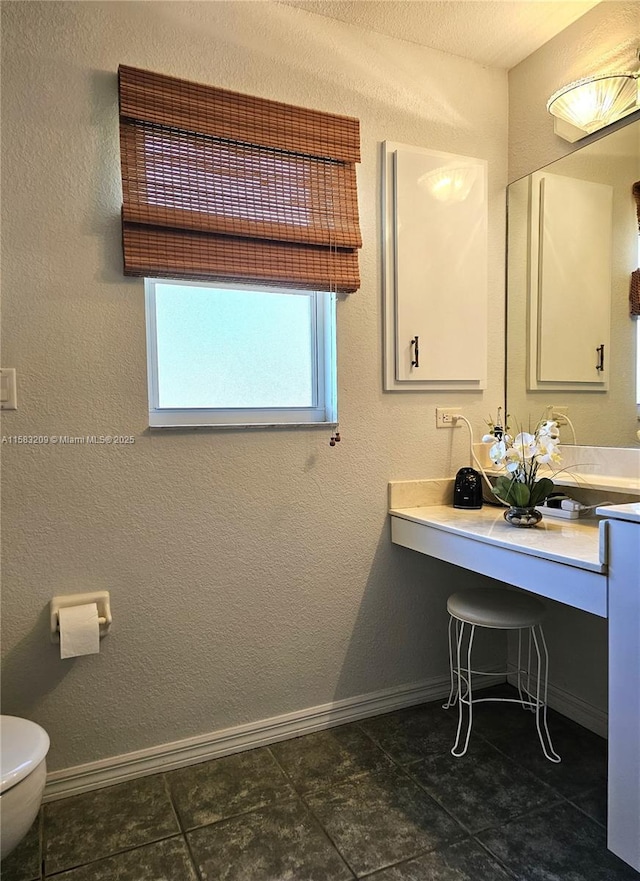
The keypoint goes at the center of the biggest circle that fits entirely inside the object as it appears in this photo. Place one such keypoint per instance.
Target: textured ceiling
(497, 34)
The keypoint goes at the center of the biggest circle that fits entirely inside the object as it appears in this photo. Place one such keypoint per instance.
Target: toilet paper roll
(79, 631)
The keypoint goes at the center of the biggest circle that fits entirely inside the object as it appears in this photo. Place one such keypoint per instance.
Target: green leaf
(519, 495)
(512, 491)
(541, 489)
(501, 488)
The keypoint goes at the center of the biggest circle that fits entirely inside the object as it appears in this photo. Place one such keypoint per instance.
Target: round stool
(501, 609)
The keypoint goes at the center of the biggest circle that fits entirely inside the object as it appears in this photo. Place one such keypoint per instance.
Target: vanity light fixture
(595, 102)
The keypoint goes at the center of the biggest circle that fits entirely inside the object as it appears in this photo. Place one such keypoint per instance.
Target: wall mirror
(572, 246)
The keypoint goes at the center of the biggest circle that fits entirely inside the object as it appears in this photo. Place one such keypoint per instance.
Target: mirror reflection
(572, 246)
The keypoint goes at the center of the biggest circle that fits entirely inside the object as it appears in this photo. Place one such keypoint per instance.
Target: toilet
(23, 770)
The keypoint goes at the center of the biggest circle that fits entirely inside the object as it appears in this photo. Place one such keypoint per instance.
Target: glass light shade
(450, 184)
(593, 103)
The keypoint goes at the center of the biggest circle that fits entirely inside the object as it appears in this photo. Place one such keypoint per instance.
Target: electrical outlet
(444, 416)
(559, 413)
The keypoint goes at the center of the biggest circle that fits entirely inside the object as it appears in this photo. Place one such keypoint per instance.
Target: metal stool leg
(467, 696)
(525, 690)
(542, 679)
(520, 664)
(455, 686)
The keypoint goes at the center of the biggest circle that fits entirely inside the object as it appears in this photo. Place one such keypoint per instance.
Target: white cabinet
(570, 283)
(435, 269)
(623, 826)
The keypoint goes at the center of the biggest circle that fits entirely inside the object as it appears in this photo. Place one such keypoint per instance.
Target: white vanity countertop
(622, 512)
(574, 542)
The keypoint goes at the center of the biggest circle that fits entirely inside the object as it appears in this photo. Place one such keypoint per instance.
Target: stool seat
(496, 607)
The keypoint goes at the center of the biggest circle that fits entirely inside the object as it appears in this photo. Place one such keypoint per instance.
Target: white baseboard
(191, 750)
(574, 708)
(168, 756)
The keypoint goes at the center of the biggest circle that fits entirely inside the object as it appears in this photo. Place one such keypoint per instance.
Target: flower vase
(523, 517)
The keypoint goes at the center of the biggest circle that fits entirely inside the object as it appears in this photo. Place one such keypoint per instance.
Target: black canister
(467, 490)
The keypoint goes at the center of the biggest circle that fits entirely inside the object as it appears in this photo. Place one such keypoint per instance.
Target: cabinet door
(436, 256)
(571, 282)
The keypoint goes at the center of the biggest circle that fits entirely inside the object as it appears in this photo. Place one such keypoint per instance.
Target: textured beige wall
(606, 38)
(251, 573)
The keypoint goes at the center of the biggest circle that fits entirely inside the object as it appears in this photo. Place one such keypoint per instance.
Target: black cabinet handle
(600, 351)
(414, 345)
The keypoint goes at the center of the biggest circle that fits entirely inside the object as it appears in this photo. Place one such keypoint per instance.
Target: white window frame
(324, 411)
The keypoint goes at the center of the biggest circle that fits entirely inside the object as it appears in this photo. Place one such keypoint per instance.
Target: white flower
(548, 428)
(521, 458)
(525, 444)
(547, 451)
(489, 439)
(498, 452)
(512, 460)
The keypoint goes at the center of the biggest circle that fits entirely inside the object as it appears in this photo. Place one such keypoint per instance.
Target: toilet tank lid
(23, 745)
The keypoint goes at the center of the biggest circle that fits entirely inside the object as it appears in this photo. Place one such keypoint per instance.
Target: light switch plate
(8, 390)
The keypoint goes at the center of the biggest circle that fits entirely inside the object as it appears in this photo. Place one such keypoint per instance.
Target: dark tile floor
(382, 798)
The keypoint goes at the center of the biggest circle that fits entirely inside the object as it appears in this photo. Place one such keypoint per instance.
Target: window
(226, 354)
(224, 193)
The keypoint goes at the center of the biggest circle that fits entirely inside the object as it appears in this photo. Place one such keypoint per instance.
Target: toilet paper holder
(99, 597)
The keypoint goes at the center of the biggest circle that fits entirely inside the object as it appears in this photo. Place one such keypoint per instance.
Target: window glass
(229, 352)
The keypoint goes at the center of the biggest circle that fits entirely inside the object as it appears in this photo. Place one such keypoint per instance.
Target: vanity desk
(590, 564)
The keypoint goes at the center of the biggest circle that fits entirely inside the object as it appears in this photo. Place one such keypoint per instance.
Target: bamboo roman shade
(223, 186)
